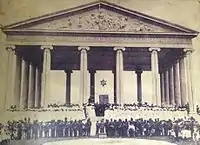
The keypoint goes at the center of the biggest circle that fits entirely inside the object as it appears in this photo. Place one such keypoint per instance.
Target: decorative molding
(67, 71)
(110, 39)
(10, 47)
(186, 50)
(84, 48)
(99, 40)
(119, 48)
(50, 47)
(154, 49)
(92, 71)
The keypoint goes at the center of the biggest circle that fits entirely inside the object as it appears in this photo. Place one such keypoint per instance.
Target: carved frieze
(101, 20)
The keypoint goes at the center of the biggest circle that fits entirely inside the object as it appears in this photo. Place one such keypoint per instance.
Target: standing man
(97, 128)
(19, 130)
(88, 127)
(75, 128)
(28, 129)
(119, 128)
(66, 128)
(107, 128)
(176, 130)
(35, 129)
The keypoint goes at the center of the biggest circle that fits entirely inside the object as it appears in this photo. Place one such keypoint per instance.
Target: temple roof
(99, 16)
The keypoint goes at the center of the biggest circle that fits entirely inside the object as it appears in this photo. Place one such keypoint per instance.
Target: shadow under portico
(67, 58)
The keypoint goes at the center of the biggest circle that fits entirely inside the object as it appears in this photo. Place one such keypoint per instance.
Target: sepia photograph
(99, 72)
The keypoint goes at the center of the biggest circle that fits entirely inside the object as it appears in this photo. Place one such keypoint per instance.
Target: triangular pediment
(101, 17)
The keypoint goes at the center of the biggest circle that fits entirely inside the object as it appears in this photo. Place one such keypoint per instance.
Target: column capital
(68, 71)
(10, 47)
(43, 47)
(154, 49)
(177, 60)
(119, 48)
(87, 48)
(187, 50)
(30, 64)
(92, 71)
(138, 70)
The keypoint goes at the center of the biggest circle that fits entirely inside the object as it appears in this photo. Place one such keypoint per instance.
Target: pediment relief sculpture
(101, 20)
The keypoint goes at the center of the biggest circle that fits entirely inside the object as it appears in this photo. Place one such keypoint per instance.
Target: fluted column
(114, 86)
(139, 85)
(18, 80)
(167, 87)
(177, 91)
(155, 76)
(83, 75)
(68, 87)
(31, 86)
(188, 53)
(37, 84)
(171, 85)
(162, 81)
(46, 74)
(40, 86)
(11, 59)
(24, 84)
(92, 85)
(184, 99)
(14, 95)
(119, 74)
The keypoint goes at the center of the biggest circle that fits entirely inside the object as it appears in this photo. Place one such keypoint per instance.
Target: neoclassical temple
(98, 36)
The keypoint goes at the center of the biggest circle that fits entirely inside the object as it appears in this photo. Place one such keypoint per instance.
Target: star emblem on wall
(103, 82)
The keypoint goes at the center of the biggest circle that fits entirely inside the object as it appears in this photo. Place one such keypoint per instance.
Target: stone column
(83, 75)
(188, 53)
(177, 91)
(40, 86)
(139, 85)
(155, 75)
(167, 87)
(24, 85)
(184, 99)
(68, 87)
(13, 78)
(31, 86)
(18, 80)
(13, 86)
(46, 74)
(37, 84)
(11, 60)
(119, 74)
(162, 81)
(114, 86)
(171, 85)
(92, 85)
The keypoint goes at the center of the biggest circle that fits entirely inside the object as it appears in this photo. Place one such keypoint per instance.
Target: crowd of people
(143, 109)
(150, 127)
(50, 107)
(133, 106)
(132, 124)
(136, 106)
(26, 129)
(64, 105)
